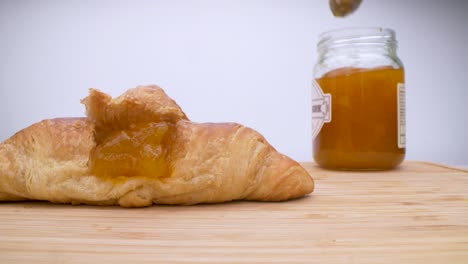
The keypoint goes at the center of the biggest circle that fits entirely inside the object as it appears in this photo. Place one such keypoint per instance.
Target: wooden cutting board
(416, 214)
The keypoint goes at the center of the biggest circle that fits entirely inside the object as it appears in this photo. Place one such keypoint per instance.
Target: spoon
(342, 8)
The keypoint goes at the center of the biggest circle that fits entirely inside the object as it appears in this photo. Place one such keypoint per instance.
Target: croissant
(140, 149)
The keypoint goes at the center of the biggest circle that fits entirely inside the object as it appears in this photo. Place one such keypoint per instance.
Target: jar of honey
(358, 100)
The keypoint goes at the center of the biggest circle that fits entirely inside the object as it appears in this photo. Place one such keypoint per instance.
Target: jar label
(321, 108)
(401, 101)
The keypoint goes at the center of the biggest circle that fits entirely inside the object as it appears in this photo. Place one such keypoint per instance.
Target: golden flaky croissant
(139, 149)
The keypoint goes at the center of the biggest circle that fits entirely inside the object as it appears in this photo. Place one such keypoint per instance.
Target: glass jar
(358, 100)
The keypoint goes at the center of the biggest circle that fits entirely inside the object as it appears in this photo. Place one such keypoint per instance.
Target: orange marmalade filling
(140, 150)
(363, 131)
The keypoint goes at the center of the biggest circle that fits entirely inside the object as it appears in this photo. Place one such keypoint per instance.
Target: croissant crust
(209, 162)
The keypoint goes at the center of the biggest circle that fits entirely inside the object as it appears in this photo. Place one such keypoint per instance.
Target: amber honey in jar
(358, 101)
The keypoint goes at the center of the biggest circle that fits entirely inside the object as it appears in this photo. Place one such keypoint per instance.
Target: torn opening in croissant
(139, 149)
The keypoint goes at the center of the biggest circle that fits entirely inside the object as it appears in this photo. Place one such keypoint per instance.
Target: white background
(245, 61)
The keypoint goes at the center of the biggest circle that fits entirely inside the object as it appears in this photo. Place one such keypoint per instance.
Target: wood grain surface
(416, 214)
